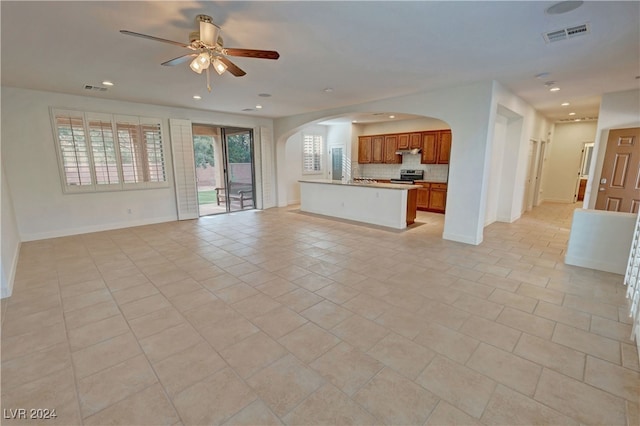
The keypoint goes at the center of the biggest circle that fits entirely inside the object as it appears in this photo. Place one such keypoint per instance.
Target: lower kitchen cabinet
(432, 197)
(438, 197)
(423, 197)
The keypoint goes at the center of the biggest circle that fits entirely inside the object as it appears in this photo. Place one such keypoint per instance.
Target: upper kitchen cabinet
(365, 154)
(415, 141)
(429, 148)
(444, 147)
(403, 141)
(436, 147)
(390, 148)
(377, 149)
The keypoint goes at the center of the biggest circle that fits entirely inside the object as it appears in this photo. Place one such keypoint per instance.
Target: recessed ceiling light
(197, 97)
(264, 95)
(577, 119)
(392, 116)
(565, 104)
(328, 89)
(354, 121)
(572, 113)
(554, 89)
(107, 83)
(563, 7)
(258, 106)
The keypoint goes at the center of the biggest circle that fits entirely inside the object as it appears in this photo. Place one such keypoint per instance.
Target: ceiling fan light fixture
(219, 66)
(200, 63)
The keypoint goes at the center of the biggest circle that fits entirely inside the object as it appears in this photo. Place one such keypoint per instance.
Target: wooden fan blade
(231, 67)
(251, 53)
(180, 59)
(164, 40)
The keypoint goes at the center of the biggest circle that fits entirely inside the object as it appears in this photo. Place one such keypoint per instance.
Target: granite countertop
(417, 181)
(368, 185)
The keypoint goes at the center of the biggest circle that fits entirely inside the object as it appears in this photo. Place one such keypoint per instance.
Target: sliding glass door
(238, 144)
(224, 169)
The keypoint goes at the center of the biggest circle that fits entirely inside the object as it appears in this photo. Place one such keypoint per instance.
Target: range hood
(413, 151)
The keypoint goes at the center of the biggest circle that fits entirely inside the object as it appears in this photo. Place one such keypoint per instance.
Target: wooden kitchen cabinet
(429, 148)
(423, 197)
(432, 197)
(415, 140)
(377, 149)
(364, 150)
(390, 148)
(436, 147)
(444, 147)
(438, 197)
(403, 141)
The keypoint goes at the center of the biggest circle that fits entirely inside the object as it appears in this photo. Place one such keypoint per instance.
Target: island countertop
(383, 204)
(367, 185)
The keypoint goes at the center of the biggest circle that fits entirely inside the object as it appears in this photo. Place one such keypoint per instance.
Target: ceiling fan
(208, 50)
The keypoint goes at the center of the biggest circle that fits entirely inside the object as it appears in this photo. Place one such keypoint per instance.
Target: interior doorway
(583, 173)
(224, 160)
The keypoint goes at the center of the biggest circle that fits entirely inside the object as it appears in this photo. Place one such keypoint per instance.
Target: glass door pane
(240, 169)
(207, 149)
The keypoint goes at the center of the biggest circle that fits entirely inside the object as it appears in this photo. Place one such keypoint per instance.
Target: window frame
(320, 153)
(114, 119)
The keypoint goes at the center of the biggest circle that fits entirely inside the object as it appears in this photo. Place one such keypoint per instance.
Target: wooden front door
(619, 186)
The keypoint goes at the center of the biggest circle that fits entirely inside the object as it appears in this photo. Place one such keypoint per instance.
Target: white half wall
(618, 110)
(28, 148)
(563, 164)
(600, 240)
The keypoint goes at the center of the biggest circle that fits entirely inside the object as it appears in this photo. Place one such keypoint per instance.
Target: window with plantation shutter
(100, 152)
(103, 149)
(312, 154)
(73, 150)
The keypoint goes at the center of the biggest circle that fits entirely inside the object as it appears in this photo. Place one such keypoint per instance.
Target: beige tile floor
(278, 317)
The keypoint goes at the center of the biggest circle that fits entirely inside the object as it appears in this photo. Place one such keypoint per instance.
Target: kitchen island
(382, 204)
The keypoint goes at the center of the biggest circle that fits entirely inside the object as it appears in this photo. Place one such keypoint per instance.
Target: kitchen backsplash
(432, 172)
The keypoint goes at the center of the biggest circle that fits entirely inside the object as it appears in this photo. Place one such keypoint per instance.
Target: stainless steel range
(409, 177)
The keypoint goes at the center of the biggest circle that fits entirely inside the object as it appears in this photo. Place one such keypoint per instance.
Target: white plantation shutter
(311, 153)
(266, 153)
(184, 168)
(105, 152)
(154, 149)
(73, 150)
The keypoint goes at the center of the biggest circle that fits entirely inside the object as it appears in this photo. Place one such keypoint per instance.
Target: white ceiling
(362, 50)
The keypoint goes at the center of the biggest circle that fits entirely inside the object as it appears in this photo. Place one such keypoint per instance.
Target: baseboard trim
(95, 228)
(597, 265)
(461, 238)
(6, 292)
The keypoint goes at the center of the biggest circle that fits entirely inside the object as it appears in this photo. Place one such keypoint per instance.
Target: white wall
(293, 162)
(41, 209)
(563, 162)
(10, 245)
(494, 181)
(524, 124)
(618, 110)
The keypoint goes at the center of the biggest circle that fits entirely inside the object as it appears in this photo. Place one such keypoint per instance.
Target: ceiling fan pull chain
(208, 81)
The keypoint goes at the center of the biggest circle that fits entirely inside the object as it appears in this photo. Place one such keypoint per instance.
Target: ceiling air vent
(566, 33)
(95, 88)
